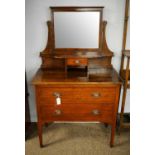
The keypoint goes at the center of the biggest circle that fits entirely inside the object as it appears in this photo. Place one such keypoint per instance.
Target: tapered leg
(46, 124)
(122, 108)
(40, 133)
(106, 125)
(112, 134)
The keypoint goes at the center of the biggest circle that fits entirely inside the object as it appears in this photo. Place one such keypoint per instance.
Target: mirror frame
(77, 9)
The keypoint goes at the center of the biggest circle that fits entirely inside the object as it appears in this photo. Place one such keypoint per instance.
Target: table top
(78, 76)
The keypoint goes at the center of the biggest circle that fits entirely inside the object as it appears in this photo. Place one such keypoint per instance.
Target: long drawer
(48, 95)
(78, 112)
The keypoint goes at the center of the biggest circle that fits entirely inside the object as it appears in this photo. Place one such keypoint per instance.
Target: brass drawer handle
(57, 112)
(96, 112)
(96, 94)
(77, 61)
(56, 94)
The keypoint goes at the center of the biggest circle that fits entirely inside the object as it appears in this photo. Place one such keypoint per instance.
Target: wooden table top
(94, 76)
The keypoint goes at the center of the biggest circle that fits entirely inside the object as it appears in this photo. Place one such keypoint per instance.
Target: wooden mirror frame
(78, 9)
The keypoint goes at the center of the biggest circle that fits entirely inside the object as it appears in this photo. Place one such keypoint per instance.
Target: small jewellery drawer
(83, 95)
(76, 61)
(76, 113)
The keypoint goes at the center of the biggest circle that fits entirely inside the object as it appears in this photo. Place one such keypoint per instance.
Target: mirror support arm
(104, 44)
(49, 45)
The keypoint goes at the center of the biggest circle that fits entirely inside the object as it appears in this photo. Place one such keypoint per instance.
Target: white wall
(37, 13)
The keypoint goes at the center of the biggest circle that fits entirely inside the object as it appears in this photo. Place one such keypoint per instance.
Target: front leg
(113, 127)
(106, 125)
(40, 133)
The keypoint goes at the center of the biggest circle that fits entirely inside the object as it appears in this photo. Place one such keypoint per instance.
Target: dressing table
(76, 81)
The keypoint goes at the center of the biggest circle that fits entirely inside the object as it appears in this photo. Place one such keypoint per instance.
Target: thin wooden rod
(125, 86)
(125, 31)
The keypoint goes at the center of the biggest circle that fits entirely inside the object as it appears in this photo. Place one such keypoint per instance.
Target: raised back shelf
(82, 54)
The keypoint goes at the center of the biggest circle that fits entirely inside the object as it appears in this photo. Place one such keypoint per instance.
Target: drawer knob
(96, 94)
(56, 94)
(96, 112)
(57, 112)
(77, 61)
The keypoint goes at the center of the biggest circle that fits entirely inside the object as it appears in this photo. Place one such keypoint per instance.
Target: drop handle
(77, 61)
(56, 94)
(96, 112)
(57, 112)
(96, 94)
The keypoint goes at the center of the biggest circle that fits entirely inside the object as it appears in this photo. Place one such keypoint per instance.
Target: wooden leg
(122, 107)
(40, 133)
(125, 86)
(106, 125)
(113, 127)
(46, 124)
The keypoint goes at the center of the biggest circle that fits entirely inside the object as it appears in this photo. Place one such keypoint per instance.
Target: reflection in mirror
(76, 29)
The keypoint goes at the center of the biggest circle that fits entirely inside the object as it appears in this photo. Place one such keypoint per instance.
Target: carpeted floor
(78, 139)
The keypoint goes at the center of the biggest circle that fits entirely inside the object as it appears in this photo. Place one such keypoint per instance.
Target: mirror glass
(76, 29)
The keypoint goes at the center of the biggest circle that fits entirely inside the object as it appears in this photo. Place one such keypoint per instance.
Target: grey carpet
(78, 139)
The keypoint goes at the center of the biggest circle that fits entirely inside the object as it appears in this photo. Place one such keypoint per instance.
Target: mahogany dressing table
(76, 84)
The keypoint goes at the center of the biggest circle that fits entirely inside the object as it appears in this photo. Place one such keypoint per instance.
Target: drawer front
(48, 95)
(77, 61)
(77, 112)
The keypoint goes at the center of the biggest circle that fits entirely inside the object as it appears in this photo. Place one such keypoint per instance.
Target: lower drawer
(76, 113)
